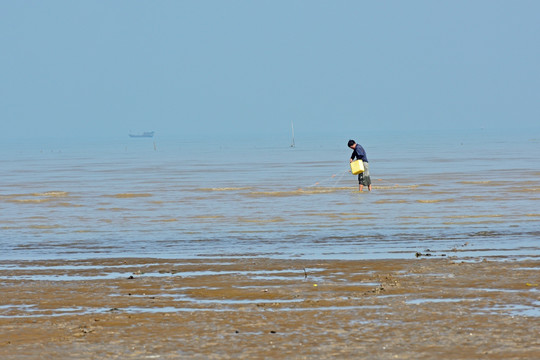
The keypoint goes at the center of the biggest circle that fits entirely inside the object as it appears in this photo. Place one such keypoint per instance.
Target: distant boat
(146, 134)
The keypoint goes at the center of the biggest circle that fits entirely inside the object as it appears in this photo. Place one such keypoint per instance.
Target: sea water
(463, 194)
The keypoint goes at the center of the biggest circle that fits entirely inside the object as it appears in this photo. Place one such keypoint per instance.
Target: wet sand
(247, 308)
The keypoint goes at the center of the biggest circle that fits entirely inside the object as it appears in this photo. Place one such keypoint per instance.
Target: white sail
(292, 128)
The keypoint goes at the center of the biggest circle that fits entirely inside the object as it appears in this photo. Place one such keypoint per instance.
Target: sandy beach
(420, 308)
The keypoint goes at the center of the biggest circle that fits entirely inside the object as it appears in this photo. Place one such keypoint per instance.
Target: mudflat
(250, 307)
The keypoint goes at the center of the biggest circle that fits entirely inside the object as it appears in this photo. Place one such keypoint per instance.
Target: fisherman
(359, 153)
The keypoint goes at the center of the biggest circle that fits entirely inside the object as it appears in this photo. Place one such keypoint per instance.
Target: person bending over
(359, 153)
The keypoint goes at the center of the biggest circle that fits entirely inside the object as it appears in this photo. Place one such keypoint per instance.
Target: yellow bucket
(357, 167)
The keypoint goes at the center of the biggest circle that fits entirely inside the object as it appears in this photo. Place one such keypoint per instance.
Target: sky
(229, 68)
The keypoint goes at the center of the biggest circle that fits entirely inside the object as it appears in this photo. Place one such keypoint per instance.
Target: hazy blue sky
(196, 68)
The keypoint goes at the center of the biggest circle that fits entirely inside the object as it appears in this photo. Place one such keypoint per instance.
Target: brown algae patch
(391, 201)
(432, 201)
(298, 192)
(37, 198)
(260, 221)
(129, 195)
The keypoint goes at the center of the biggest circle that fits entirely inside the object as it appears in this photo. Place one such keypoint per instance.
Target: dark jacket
(359, 153)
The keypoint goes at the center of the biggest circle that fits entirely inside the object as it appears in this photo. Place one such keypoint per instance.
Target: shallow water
(464, 195)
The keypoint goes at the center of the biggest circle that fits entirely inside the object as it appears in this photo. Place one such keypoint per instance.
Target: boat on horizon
(146, 134)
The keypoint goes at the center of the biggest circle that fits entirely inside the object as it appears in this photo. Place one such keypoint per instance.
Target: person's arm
(353, 155)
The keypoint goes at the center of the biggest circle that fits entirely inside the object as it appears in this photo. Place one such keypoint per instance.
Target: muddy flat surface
(245, 308)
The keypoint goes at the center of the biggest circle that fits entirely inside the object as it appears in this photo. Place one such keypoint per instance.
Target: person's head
(351, 144)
